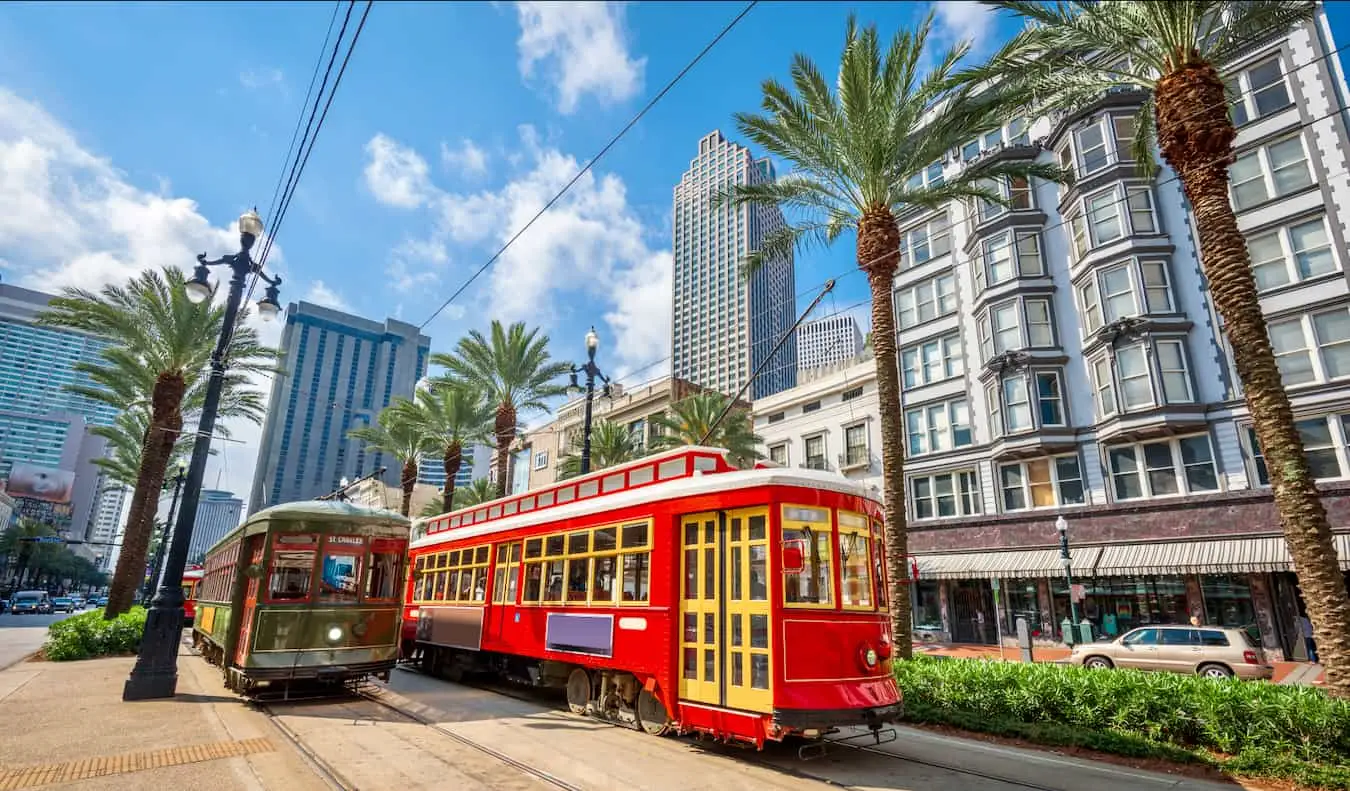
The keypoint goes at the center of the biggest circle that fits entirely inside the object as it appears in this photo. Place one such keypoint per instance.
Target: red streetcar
(675, 594)
(192, 579)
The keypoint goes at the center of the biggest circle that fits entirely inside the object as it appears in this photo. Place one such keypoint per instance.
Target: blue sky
(132, 135)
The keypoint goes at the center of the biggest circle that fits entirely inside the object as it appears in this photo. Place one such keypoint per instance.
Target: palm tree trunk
(878, 243)
(166, 421)
(409, 483)
(451, 460)
(1196, 138)
(504, 428)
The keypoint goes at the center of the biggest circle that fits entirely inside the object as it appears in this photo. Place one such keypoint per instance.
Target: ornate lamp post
(156, 672)
(1062, 525)
(180, 475)
(591, 371)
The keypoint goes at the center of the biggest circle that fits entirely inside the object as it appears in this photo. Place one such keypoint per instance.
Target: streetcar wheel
(578, 691)
(651, 714)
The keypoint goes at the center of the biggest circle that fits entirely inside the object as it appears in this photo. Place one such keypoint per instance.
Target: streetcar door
(241, 647)
(747, 662)
(700, 654)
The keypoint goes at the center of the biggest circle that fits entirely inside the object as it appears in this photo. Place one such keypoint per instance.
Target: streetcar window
(507, 574)
(291, 571)
(578, 574)
(341, 568)
(613, 483)
(480, 556)
(606, 539)
(641, 475)
(534, 547)
(578, 543)
(635, 535)
(554, 546)
(807, 581)
(635, 576)
(545, 499)
(533, 583)
(494, 512)
(382, 574)
(527, 504)
(511, 507)
(759, 571)
(567, 494)
(704, 463)
(463, 575)
(553, 580)
(602, 582)
(879, 573)
(670, 469)
(590, 488)
(855, 567)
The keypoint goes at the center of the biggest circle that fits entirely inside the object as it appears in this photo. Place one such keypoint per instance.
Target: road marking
(125, 763)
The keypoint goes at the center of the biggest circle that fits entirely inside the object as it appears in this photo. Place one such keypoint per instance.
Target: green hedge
(88, 635)
(1253, 728)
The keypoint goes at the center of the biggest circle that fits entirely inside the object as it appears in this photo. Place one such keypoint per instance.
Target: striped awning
(1004, 565)
(1224, 556)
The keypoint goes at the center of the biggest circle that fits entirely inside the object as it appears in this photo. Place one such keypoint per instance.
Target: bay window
(1324, 447)
(1019, 323)
(932, 361)
(1261, 90)
(1103, 143)
(938, 427)
(925, 242)
(1141, 376)
(1271, 171)
(1183, 465)
(1009, 255)
(1312, 348)
(1291, 254)
(1025, 401)
(1134, 288)
(1041, 483)
(930, 176)
(1015, 190)
(925, 301)
(1110, 215)
(946, 494)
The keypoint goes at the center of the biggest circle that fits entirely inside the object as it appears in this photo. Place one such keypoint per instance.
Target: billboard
(40, 483)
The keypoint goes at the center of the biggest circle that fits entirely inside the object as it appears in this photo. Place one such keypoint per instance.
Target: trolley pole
(156, 672)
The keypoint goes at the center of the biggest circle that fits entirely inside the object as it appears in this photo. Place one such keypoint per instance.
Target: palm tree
(1176, 53)
(455, 415)
(399, 431)
(161, 343)
(688, 420)
(860, 152)
(611, 443)
(478, 492)
(515, 371)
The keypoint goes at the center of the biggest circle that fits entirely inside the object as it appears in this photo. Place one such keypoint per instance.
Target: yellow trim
(618, 552)
(696, 602)
(820, 529)
(856, 526)
(742, 611)
(439, 563)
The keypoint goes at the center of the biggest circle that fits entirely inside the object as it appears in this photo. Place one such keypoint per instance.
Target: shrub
(88, 635)
(1294, 732)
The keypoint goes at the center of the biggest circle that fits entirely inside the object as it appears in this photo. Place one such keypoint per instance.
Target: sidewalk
(65, 726)
(1285, 672)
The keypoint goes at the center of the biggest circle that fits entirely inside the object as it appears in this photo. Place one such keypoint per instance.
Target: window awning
(1226, 556)
(1005, 565)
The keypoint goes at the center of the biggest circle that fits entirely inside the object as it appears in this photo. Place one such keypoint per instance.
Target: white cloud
(468, 158)
(254, 79)
(964, 20)
(72, 219)
(590, 250)
(584, 46)
(395, 174)
(321, 294)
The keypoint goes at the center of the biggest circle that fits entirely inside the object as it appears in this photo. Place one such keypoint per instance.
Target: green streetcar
(304, 591)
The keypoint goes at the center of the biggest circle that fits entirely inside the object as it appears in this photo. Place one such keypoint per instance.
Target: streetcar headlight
(871, 657)
(334, 634)
(414, 613)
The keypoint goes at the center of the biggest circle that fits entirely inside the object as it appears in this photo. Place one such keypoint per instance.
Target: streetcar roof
(310, 510)
(668, 490)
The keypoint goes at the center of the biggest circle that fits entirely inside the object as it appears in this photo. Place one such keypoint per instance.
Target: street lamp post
(180, 474)
(591, 371)
(156, 672)
(1062, 525)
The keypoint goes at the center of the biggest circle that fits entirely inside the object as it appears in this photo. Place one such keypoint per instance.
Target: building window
(1271, 171)
(1131, 289)
(1110, 215)
(934, 361)
(1261, 90)
(541, 460)
(1324, 447)
(815, 452)
(938, 427)
(1026, 401)
(925, 242)
(946, 494)
(811, 407)
(1291, 254)
(1004, 260)
(1098, 148)
(855, 445)
(1313, 348)
(852, 393)
(1041, 483)
(775, 417)
(1160, 469)
(1016, 324)
(1130, 386)
(1015, 190)
(929, 177)
(926, 301)
(778, 454)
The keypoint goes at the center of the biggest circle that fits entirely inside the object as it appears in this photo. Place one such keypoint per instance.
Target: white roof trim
(680, 487)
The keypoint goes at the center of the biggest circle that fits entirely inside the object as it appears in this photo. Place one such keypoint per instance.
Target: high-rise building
(724, 325)
(431, 470)
(1061, 356)
(827, 340)
(218, 513)
(340, 371)
(106, 523)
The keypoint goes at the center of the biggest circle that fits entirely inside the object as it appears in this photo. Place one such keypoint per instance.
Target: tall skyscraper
(431, 470)
(341, 370)
(218, 513)
(723, 323)
(827, 340)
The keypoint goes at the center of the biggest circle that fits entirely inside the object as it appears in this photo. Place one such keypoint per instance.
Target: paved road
(21, 635)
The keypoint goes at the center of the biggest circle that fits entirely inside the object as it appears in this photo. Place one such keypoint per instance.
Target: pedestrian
(1195, 620)
(1305, 627)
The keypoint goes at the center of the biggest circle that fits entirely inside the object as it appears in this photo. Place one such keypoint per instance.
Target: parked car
(102, 601)
(4, 605)
(63, 604)
(1213, 651)
(31, 602)
(77, 602)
